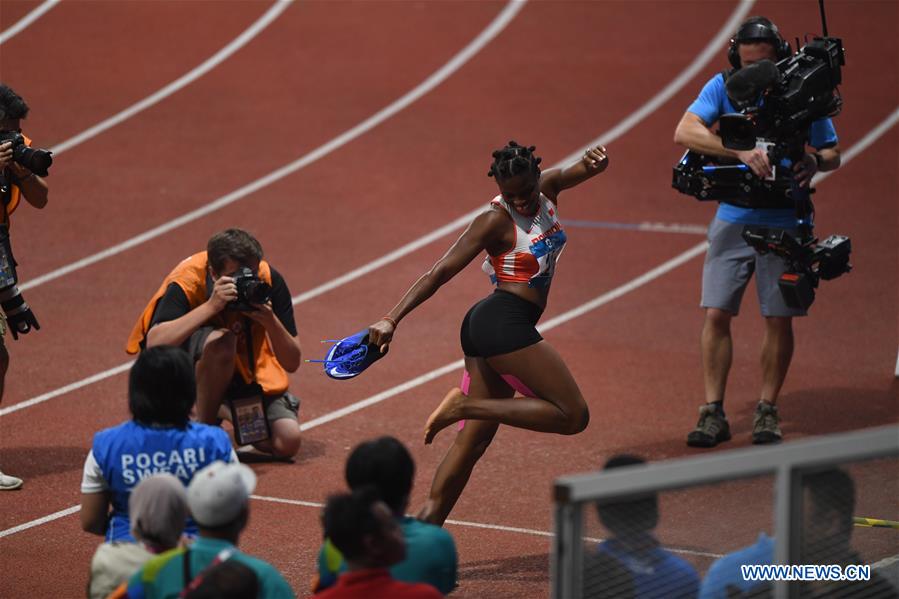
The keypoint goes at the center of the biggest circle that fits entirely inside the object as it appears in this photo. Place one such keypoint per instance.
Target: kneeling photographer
(731, 261)
(233, 314)
(20, 167)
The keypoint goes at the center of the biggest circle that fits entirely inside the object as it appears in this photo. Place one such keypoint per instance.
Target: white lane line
(848, 156)
(601, 300)
(605, 298)
(318, 505)
(27, 20)
(498, 24)
(213, 61)
(862, 144)
(39, 521)
(436, 373)
(314, 504)
(482, 525)
(485, 37)
(96, 378)
(725, 30)
(620, 129)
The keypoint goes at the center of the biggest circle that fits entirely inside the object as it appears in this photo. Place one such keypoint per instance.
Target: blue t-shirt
(430, 558)
(130, 452)
(655, 573)
(709, 106)
(726, 573)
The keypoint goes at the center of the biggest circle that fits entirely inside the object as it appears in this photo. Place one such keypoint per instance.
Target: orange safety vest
(190, 275)
(15, 195)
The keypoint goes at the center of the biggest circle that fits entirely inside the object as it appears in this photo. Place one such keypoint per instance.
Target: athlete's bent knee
(578, 421)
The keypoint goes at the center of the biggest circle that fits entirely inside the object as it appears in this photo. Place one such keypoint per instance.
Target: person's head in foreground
(385, 464)
(631, 516)
(158, 510)
(162, 387)
(364, 529)
(219, 499)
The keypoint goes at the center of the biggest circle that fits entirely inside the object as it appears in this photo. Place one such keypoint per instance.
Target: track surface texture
(558, 75)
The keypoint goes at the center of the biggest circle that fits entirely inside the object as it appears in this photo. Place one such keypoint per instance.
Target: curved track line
(213, 61)
(319, 505)
(96, 378)
(862, 144)
(485, 37)
(482, 525)
(603, 299)
(597, 302)
(27, 20)
(412, 246)
(617, 131)
(39, 521)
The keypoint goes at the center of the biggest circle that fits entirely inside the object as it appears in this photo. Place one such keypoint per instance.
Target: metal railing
(787, 462)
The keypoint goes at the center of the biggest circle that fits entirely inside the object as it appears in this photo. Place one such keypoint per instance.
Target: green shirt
(430, 558)
(163, 576)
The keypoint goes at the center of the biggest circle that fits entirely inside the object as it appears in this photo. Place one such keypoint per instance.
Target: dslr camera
(34, 159)
(250, 290)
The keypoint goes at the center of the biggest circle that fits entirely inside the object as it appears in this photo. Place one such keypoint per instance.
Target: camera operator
(730, 261)
(16, 182)
(201, 307)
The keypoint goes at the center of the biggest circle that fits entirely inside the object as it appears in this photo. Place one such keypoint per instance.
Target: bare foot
(445, 414)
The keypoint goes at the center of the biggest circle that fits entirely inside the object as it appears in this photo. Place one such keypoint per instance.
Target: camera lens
(37, 161)
(258, 292)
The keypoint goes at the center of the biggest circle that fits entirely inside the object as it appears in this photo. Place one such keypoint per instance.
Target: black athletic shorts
(499, 324)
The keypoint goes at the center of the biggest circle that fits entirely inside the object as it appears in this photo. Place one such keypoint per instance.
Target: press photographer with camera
(20, 167)
(730, 261)
(233, 314)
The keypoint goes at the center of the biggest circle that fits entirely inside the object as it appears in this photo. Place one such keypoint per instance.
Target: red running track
(558, 76)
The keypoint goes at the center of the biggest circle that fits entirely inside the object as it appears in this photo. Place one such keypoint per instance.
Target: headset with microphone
(757, 29)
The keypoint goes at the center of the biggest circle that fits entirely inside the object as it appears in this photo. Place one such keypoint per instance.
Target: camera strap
(8, 275)
(248, 414)
(251, 359)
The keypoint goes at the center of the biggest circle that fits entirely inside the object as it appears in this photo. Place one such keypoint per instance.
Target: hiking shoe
(765, 427)
(9, 483)
(711, 429)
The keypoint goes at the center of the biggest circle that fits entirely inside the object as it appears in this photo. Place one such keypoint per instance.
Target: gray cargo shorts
(730, 263)
(286, 405)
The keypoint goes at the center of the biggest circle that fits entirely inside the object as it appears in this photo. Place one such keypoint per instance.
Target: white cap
(219, 492)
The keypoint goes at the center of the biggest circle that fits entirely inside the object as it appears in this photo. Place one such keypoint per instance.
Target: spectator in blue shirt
(825, 538)
(647, 570)
(159, 438)
(386, 465)
(730, 262)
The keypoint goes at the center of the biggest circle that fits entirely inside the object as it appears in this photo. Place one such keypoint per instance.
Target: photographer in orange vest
(233, 314)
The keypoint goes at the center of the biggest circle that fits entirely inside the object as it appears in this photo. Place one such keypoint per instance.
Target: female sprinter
(504, 352)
